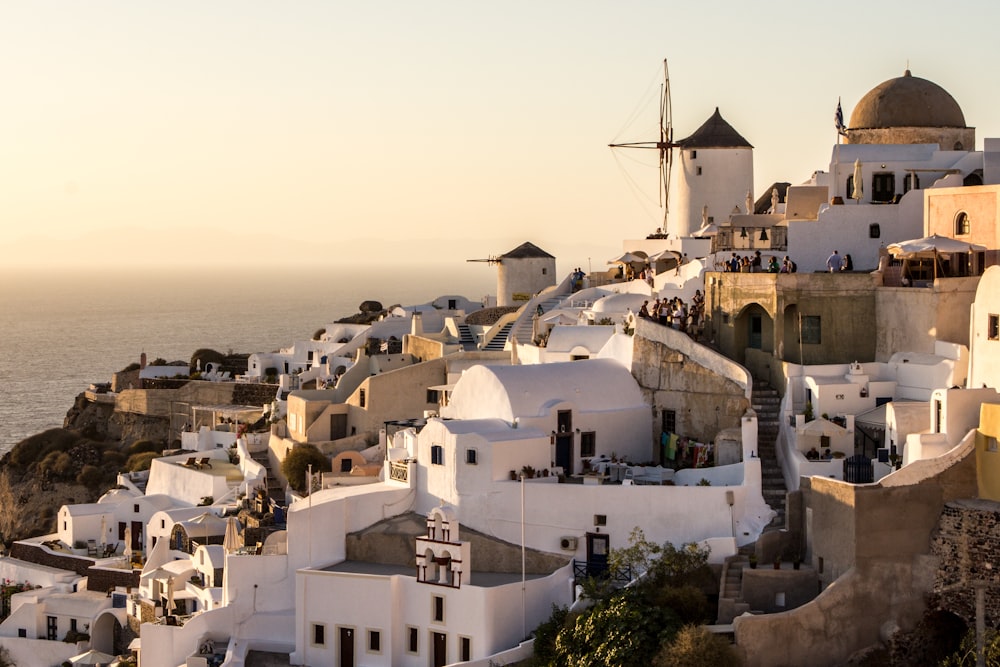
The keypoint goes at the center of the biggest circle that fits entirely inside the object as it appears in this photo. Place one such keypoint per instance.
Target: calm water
(60, 331)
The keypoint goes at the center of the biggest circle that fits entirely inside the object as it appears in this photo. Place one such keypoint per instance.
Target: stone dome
(907, 101)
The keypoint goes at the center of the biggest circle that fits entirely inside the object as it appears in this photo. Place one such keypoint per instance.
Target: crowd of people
(755, 264)
(675, 313)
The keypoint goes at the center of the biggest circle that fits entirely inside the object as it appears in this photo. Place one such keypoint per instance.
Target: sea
(63, 329)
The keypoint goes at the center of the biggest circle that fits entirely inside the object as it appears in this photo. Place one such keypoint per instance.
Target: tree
(297, 463)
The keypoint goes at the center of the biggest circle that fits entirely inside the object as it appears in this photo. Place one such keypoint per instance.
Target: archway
(106, 632)
(753, 329)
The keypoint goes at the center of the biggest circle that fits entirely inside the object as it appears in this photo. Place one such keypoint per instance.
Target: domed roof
(907, 101)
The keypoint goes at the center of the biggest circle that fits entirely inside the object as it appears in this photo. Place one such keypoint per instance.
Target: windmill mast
(665, 144)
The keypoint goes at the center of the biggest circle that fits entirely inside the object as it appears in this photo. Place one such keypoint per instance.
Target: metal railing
(399, 472)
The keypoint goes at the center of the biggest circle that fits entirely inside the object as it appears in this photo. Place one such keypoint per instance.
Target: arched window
(962, 224)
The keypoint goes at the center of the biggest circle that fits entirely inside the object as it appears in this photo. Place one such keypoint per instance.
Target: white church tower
(712, 174)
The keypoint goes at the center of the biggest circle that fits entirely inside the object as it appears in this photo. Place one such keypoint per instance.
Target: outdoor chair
(205, 462)
(192, 462)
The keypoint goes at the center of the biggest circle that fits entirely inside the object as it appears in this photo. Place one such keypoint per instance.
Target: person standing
(833, 262)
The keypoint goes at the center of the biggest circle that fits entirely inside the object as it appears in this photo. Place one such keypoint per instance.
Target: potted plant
(797, 562)
(808, 411)
(753, 561)
(528, 472)
(513, 475)
(777, 562)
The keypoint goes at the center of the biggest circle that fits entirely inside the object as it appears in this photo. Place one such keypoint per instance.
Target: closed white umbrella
(858, 182)
(128, 545)
(232, 540)
(171, 606)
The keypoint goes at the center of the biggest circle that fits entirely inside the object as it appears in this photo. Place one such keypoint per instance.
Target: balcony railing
(399, 471)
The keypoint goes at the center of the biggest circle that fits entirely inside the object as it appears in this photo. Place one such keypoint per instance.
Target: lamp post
(524, 604)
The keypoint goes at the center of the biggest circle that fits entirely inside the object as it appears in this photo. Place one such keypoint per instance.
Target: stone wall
(99, 579)
(704, 401)
(966, 544)
(873, 543)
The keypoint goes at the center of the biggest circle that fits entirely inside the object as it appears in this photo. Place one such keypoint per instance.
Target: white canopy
(929, 246)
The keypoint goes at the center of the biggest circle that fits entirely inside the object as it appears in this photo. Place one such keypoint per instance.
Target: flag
(838, 119)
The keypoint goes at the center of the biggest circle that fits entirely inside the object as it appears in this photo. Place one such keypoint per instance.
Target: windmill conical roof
(715, 133)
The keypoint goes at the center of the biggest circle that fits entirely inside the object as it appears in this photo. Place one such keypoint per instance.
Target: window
(432, 396)
(413, 643)
(698, 171)
(471, 457)
(545, 271)
(438, 610)
(72, 624)
(135, 508)
(374, 641)
(319, 634)
(52, 627)
(962, 224)
(600, 519)
(849, 187)
(883, 187)
(22, 632)
(669, 421)
(588, 444)
(694, 155)
(874, 231)
(811, 330)
(993, 333)
(361, 398)
(911, 182)
(437, 455)
(163, 523)
(465, 649)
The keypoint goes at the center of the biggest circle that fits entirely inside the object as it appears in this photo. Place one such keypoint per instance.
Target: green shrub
(134, 366)
(139, 462)
(141, 446)
(297, 463)
(113, 459)
(90, 476)
(695, 646)
(59, 465)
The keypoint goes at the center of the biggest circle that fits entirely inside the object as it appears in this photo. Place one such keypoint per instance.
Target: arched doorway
(106, 633)
(753, 330)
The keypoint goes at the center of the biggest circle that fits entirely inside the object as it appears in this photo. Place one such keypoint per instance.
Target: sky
(275, 133)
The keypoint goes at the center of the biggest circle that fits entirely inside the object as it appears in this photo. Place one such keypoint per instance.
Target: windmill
(664, 145)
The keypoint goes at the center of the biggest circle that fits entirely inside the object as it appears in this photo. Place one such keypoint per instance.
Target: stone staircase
(731, 602)
(524, 323)
(465, 337)
(766, 403)
(499, 341)
(275, 490)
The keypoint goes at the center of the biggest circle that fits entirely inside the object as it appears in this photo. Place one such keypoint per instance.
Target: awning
(874, 417)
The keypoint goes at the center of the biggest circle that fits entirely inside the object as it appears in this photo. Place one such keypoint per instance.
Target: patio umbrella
(858, 181)
(627, 258)
(232, 541)
(128, 545)
(931, 247)
(210, 523)
(171, 606)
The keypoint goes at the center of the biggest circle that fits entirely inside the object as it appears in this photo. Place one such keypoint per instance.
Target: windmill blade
(667, 131)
